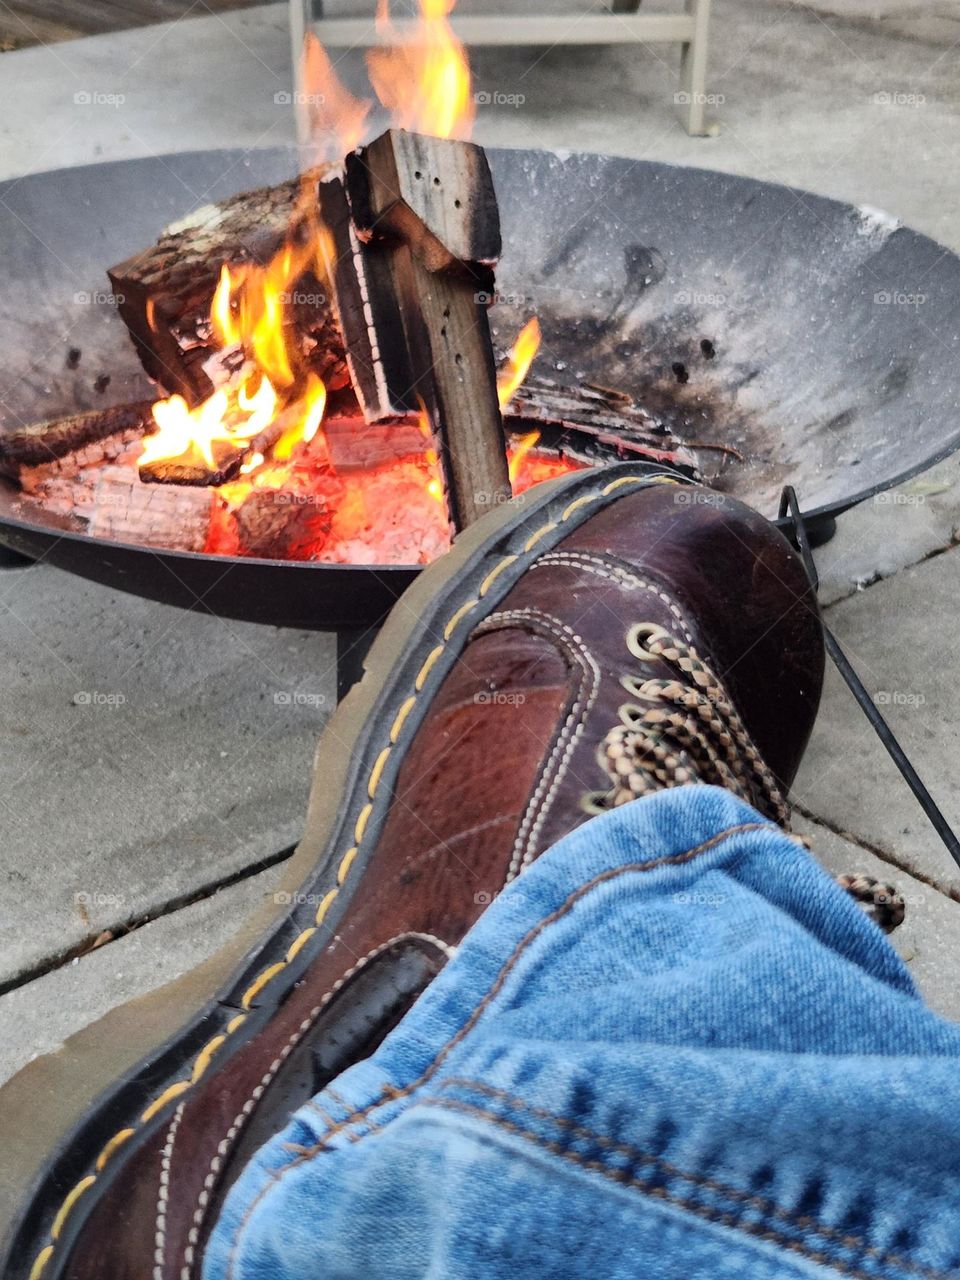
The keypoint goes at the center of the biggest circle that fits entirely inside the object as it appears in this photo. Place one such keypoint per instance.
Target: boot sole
(53, 1112)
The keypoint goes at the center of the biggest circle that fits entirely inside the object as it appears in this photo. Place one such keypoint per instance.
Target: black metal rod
(789, 503)
(896, 752)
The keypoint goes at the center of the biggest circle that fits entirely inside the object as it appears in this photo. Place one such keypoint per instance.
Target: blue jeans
(672, 1048)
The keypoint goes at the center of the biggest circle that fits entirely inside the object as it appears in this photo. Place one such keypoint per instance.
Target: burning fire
(511, 376)
(518, 362)
(424, 79)
(271, 406)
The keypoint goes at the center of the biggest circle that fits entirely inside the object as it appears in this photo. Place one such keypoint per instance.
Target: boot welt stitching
(223, 1147)
(43, 1256)
(391, 1094)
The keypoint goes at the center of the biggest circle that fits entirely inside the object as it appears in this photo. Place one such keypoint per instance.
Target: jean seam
(762, 1231)
(803, 1222)
(392, 1094)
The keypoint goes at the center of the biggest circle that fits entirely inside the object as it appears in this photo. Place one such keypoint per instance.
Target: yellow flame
(221, 419)
(423, 79)
(518, 362)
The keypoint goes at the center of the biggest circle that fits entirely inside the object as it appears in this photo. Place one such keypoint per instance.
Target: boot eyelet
(644, 631)
(594, 802)
(631, 714)
(633, 685)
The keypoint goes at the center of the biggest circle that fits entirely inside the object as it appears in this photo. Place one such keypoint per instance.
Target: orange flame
(337, 119)
(423, 79)
(518, 362)
(509, 378)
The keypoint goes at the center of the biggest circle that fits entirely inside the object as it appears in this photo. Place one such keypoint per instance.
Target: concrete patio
(150, 824)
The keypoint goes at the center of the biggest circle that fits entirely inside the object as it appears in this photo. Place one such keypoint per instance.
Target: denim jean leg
(673, 1047)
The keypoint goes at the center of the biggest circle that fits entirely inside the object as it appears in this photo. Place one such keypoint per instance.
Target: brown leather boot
(613, 633)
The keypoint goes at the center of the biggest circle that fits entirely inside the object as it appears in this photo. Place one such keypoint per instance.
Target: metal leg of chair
(693, 68)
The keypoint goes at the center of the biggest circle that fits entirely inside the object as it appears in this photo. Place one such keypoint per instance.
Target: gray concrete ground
(117, 812)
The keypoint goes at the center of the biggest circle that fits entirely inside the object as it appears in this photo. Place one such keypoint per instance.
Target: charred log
(45, 443)
(165, 291)
(124, 510)
(425, 210)
(282, 526)
(594, 422)
(193, 469)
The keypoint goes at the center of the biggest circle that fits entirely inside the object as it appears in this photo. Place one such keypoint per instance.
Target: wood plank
(428, 208)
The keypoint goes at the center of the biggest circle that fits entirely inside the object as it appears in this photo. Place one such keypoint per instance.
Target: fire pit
(778, 336)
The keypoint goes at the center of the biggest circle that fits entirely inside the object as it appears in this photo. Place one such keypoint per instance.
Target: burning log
(282, 526)
(416, 220)
(610, 418)
(79, 441)
(124, 510)
(165, 293)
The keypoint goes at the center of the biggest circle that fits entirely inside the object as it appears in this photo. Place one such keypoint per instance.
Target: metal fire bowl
(817, 339)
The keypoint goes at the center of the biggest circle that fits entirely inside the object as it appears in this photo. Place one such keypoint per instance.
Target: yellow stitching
(168, 1095)
(541, 533)
(346, 863)
(401, 716)
(324, 906)
(576, 505)
(202, 1060)
(300, 942)
(362, 821)
(39, 1262)
(618, 484)
(259, 982)
(68, 1204)
(43, 1257)
(451, 626)
(494, 573)
(117, 1140)
(375, 772)
(424, 671)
